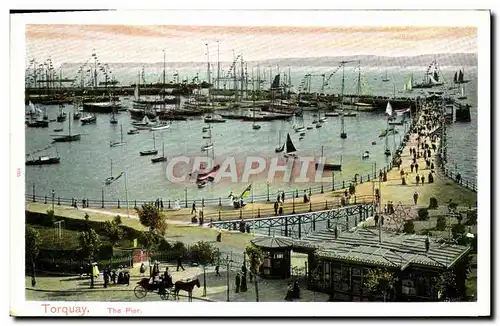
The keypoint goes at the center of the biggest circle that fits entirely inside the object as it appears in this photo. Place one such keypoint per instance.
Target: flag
(246, 192)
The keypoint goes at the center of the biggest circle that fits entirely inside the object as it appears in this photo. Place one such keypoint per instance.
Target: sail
(435, 76)
(460, 76)
(289, 145)
(408, 85)
(388, 109)
(276, 82)
(433, 79)
(463, 91)
(455, 80)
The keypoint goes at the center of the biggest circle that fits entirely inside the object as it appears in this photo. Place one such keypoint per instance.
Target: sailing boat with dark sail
(458, 78)
(153, 151)
(280, 147)
(69, 137)
(290, 150)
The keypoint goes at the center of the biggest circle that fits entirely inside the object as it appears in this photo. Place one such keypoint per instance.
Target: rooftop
(396, 250)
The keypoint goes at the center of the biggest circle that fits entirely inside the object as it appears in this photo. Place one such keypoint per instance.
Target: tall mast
(342, 89)
(359, 80)
(218, 65)
(242, 78)
(163, 88)
(208, 71)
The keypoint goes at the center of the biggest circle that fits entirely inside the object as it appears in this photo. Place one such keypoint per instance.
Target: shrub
(164, 245)
(179, 247)
(409, 227)
(49, 219)
(471, 217)
(423, 214)
(441, 223)
(457, 230)
(433, 203)
(204, 253)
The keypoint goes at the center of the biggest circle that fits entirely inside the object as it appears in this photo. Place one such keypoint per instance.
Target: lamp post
(267, 183)
(333, 181)
(53, 196)
(227, 273)
(186, 197)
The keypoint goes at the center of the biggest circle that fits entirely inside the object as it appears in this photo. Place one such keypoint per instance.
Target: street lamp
(53, 196)
(267, 183)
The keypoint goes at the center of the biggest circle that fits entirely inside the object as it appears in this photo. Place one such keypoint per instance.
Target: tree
(32, 248)
(152, 218)
(471, 217)
(90, 243)
(113, 230)
(446, 286)
(441, 223)
(255, 258)
(379, 282)
(204, 253)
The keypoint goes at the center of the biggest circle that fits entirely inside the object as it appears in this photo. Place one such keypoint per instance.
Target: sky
(145, 44)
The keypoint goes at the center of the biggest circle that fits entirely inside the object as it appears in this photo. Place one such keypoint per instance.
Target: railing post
(34, 199)
(45, 202)
(354, 199)
(219, 216)
(360, 179)
(322, 188)
(328, 223)
(310, 206)
(286, 226)
(58, 200)
(102, 198)
(118, 203)
(309, 191)
(220, 201)
(347, 222)
(314, 223)
(202, 202)
(169, 207)
(326, 204)
(258, 212)
(241, 216)
(135, 204)
(300, 227)
(296, 193)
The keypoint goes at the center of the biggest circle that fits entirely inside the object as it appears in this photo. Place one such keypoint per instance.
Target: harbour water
(86, 164)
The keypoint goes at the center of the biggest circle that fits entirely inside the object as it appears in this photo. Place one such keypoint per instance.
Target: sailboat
(385, 78)
(45, 115)
(160, 126)
(162, 158)
(45, 160)
(111, 178)
(113, 119)
(290, 150)
(280, 147)
(76, 112)
(462, 92)
(69, 137)
(153, 151)
(387, 151)
(343, 134)
(254, 125)
(409, 84)
(116, 143)
(300, 128)
(458, 78)
(62, 115)
(328, 166)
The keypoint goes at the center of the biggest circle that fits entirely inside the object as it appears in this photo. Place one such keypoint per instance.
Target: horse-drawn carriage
(164, 288)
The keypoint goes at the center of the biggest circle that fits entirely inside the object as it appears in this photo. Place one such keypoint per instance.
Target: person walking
(193, 209)
(422, 178)
(411, 167)
(179, 262)
(283, 196)
(237, 282)
(416, 167)
(276, 208)
(417, 179)
(415, 197)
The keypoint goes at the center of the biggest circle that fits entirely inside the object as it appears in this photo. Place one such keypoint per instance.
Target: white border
(313, 18)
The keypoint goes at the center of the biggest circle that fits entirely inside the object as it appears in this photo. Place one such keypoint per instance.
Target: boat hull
(151, 152)
(329, 167)
(67, 138)
(39, 161)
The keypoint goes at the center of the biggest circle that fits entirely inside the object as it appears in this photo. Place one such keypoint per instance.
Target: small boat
(388, 131)
(310, 128)
(365, 155)
(208, 175)
(38, 124)
(350, 114)
(111, 178)
(319, 125)
(315, 122)
(153, 151)
(387, 152)
(328, 166)
(88, 119)
(58, 130)
(61, 117)
(206, 147)
(324, 119)
(332, 114)
(255, 127)
(374, 143)
(205, 129)
(299, 129)
(69, 137)
(210, 119)
(385, 78)
(302, 134)
(77, 116)
(132, 132)
(161, 126)
(43, 160)
(290, 150)
(301, 137)
(162, 158)
(201, 184)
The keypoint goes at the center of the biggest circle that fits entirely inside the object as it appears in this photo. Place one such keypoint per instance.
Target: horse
(186, 286)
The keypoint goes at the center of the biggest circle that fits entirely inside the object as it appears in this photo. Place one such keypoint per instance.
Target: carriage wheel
(140, 292)
(165, 295)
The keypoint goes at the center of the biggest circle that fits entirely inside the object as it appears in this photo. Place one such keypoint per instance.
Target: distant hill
(443, 59)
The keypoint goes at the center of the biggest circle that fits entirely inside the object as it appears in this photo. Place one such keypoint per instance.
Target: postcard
(176, 160)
